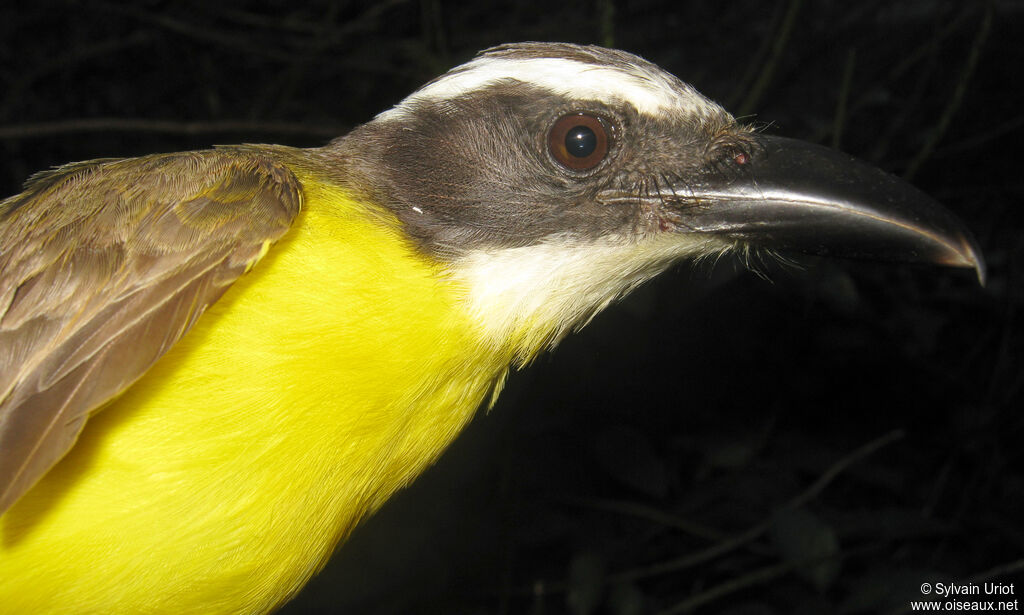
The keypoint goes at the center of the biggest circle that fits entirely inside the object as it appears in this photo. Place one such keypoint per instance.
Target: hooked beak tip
(967, 254)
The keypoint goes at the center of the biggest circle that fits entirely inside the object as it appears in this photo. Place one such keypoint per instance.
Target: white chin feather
(537, 294)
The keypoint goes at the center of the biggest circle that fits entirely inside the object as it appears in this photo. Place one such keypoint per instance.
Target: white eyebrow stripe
(649, 92)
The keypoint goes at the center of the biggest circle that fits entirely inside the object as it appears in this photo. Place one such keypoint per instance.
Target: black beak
(789, 194)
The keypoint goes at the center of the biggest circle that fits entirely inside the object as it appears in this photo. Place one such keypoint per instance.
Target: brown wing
(104, 265)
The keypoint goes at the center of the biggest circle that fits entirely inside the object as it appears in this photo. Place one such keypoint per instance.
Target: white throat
(531, 296)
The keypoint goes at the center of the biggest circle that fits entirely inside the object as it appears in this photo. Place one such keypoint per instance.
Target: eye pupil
(580, 142)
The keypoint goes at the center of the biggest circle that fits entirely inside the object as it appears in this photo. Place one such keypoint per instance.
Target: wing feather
(104, 265)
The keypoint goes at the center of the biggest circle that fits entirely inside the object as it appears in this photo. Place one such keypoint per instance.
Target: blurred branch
(433, 31)
(844, 96)
(47, 129)
(754, 532)
(16, 91)
(741, 85)
(982, 138)
(731, 586)
(750, 579)
(953, 105)
(782, 38)
(243, 43)
(288, 80)
(606, 15)
(284, 49)
(655, 515)
(909, 61)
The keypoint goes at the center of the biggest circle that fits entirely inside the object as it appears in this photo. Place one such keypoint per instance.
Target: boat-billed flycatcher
(214, 364)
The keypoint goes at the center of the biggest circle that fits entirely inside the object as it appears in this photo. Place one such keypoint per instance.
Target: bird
(214, 364)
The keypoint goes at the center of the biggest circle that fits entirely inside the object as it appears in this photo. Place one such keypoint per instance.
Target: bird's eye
(579, 141)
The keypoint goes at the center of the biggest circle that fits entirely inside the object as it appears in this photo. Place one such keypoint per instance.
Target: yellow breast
(324, 380)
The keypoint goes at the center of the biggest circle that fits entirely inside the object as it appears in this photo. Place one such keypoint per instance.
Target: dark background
(702, 443)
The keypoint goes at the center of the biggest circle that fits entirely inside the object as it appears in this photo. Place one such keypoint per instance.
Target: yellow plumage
(242, 449)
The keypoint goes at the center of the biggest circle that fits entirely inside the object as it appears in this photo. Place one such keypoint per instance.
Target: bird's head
(550, 179)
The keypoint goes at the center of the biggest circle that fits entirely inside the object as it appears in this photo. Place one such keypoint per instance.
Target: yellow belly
(324, 380)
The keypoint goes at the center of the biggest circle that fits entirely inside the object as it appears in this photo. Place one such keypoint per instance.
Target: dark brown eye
(579, 141)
